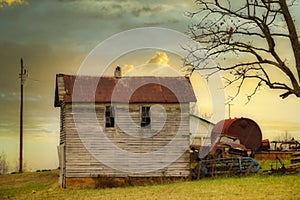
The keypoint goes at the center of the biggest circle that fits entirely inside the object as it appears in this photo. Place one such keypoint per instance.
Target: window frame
(145, 116)
(109, 116)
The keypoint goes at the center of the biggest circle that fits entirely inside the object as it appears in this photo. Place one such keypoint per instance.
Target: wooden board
(81, 163)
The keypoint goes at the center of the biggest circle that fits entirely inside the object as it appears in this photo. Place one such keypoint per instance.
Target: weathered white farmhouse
(122, 128)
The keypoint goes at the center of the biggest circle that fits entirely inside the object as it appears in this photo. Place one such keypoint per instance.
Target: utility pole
(22, 76)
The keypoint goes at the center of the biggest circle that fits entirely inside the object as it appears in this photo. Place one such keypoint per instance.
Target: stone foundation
(109, 182)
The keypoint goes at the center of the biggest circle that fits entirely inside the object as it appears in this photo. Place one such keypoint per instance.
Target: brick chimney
(118, 72)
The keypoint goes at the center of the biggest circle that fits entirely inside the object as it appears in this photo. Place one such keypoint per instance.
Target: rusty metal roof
(140, 89)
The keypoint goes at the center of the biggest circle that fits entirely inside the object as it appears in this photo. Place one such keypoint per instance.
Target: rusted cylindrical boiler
(245, 129)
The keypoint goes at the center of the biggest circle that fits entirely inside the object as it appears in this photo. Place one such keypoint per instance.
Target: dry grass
(44, 185)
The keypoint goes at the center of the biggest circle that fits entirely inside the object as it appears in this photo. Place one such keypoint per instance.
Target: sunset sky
(55, 37)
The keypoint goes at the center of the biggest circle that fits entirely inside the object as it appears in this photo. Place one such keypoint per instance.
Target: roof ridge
(75, 75)
(100, 89)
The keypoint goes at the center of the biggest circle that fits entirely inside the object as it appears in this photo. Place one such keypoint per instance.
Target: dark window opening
(145, 116)
(109, 117)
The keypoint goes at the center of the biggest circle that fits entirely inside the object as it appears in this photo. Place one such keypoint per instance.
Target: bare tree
(3, 164)
(251, 33)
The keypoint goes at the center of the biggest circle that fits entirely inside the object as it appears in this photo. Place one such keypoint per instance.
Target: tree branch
(245, 33)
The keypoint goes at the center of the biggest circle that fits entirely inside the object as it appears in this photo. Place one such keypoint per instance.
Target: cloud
(112, 8)
(8, 96)
(35, 127)
(85, 23)
(151, 66)
(9, 3)
(146, 10)
(160, 58)
(273, 129)
(43, 63)
(127, 68)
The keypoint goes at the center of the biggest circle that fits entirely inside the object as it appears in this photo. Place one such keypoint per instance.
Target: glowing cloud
(8, 3)
(160, 58)
(126, 68)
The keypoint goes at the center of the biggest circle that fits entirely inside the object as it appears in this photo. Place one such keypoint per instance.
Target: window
(109, 117)
(145, 116)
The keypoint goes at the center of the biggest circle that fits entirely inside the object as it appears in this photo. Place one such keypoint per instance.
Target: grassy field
(266, 164)
(43, 185)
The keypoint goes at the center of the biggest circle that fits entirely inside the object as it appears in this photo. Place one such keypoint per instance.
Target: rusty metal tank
(245, 129)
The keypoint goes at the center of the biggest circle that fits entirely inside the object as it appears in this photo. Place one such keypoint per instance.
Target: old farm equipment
(280, 167)
(291, 145)
(226, 166)
(228, 146)
(224, 158)
(245, 129)
(233, 141)
(295, 161)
